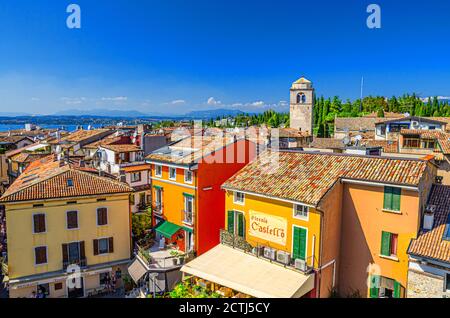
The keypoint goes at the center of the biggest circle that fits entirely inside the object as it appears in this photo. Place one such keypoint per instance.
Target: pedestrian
(108, 283)
(113, 282)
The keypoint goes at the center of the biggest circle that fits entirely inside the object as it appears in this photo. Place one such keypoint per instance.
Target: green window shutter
(299, 243)
(387, 205)
(396, 195)
(240, 220)
(385, 243)
(374, 286)
(397, 290)
(231, 222)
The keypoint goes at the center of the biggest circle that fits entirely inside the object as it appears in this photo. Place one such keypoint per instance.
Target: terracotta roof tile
(306, 177)
(122, 148)
(47, 179)
(389, 146)
(430, 244)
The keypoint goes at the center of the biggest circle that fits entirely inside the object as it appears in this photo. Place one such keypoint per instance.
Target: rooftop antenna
(361, 98)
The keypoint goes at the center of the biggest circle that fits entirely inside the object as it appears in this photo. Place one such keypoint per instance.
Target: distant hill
(102, 113)
(213, 113)
(13, 114)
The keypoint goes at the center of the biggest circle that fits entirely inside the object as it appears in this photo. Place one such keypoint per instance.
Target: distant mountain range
(214, 113)
(198, 114)
(102, 113)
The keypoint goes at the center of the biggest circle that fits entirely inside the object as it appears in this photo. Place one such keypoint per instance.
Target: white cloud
(178, 101)
(73, 100)
(257, 104)
(35, 99)
(212, 101)
(115, 99)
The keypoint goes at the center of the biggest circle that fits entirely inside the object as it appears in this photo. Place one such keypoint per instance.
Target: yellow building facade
(66, 246)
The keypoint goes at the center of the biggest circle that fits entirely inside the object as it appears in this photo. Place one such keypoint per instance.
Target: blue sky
(177, 56)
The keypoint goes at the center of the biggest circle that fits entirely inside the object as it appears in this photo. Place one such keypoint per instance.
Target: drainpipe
(322, 215)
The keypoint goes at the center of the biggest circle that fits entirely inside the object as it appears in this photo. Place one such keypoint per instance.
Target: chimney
(428, 217)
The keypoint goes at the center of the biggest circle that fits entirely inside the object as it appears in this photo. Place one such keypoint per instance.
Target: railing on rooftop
(82, 262)
(238, 242)
(177, 259)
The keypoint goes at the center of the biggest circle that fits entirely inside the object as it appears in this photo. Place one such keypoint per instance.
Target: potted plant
(175, 254)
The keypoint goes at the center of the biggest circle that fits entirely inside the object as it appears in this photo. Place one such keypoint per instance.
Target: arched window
(301, 98)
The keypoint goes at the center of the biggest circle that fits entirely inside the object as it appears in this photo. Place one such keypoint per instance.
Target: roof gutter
(269, 197)
(379, 184)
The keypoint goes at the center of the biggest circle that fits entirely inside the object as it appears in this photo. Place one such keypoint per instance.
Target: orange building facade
(187, 200)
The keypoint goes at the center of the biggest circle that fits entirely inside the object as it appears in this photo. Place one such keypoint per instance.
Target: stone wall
(422, 285)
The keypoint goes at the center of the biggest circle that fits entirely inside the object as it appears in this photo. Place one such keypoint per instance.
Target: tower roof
(302, 80)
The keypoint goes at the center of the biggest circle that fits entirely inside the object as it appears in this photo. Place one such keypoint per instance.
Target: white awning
(137, 269)
(249, 274)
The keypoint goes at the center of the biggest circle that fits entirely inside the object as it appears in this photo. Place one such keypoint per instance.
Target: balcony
(80, 262)
(188, 217)
(286, 261)
(158, 259)
(157, 207)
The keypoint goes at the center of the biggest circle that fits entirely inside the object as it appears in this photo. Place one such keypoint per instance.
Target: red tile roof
(47, 179)
(430, 244)
(389, 146)
(122, 148)
(306, 177)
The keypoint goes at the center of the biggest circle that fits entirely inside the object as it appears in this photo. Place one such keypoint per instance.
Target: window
(104, 277)
(299, 239)
(102, 216)
(389, 242)
(103, 246)
(73, 253)
(301, 98)
(236, 223)
(411, 142)
(39, 223)
(158, 199)
(187, 176)
(239, 198)
(384, 287)
(58, 286)
(158, 170)
(447, 282)
(72, 220)
(136, 176)
(447, 230)
(172, 173)
(301, 211)
(428, 144)
(395, 128)
(188, 209)
(40, 255)
(69, 182)
(392, 198)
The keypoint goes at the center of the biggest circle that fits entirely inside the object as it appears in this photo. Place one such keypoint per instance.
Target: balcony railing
(173, 258)
(80, 262)
(240, 243)
(188, 217)
(234, 241)
(157, 207)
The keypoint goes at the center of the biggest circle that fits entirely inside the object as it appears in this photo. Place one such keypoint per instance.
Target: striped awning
(137, 270)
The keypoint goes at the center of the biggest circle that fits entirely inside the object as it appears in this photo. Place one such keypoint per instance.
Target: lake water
(4, 127)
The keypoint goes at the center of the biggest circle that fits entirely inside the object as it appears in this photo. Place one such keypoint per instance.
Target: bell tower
(301, 105)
